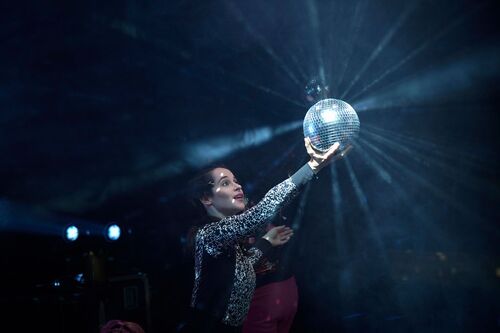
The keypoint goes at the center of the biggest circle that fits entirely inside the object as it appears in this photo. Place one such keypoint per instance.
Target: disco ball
(329, 121)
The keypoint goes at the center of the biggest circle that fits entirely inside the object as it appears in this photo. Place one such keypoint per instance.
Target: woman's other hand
(278, 235)
(320, 159)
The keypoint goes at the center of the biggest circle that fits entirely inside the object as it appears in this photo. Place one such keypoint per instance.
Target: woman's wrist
(269, 240)
(315, 167)
(303, 175)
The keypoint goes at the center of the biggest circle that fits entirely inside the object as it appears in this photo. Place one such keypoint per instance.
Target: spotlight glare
(71, 233)
(113, 232)
(329, 117)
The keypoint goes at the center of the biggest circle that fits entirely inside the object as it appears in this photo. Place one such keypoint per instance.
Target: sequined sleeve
(258, 250)
(255, 255)
(225, 233)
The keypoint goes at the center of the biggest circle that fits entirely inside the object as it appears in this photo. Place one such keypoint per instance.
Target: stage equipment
(128, 296)
(329, 121)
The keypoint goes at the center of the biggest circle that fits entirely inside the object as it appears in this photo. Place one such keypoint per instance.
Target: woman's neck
(213, 212)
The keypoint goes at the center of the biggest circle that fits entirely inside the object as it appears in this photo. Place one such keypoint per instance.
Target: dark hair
(199, 186)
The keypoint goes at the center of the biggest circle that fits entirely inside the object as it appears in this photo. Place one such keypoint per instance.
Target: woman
(224, 274)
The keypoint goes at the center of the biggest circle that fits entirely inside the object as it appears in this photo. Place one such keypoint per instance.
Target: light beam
(381, 46)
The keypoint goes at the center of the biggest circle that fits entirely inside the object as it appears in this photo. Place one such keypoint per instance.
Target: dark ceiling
(107, 108)
(97, 96)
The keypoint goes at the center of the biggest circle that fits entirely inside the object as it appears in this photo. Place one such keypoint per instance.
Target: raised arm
(226, 232)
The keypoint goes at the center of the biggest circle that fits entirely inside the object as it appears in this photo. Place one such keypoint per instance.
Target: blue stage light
(71, 233)
(113, 232)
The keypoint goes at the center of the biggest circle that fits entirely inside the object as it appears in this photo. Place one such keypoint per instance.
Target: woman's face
(227, 195)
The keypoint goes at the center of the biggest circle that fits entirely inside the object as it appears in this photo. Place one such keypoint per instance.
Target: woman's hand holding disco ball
(320, 159)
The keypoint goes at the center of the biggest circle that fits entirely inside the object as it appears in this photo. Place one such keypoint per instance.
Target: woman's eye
(225, 183)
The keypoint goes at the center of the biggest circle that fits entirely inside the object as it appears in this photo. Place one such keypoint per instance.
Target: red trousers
(273, 308)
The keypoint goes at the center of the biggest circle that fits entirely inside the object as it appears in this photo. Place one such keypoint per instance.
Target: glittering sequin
(242, 292)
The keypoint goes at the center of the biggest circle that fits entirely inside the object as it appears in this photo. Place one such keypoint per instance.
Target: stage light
(113, 232)
(80, 278)
(71, 233)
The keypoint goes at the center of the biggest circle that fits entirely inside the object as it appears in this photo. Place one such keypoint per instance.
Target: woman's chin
(239, 210)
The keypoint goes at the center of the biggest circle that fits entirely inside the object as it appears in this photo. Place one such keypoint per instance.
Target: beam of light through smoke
(356, 23)
(427, 230)
(416, 51)
(315, 33)
(338, 218)
(382, 45)
(437, 84)
(434, 149)
(265, 45)
(209, 150)
(194, 156)
(298, 217)
(380, 170)
(414, 176)
(241, 80)
(159, 42)
(298, 65)
(448, 170)
(363, 203)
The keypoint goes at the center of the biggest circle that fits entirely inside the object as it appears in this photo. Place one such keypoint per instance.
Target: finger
(285, 236)
(344, 152)
(310, 151)
(286, 233)
(314, 153)
(332, 150)
(309, 147)
(286, 230)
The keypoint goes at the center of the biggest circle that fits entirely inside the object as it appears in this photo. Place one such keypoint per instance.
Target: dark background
(107, 108)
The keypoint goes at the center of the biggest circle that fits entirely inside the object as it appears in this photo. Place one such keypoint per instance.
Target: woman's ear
(206, 200)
